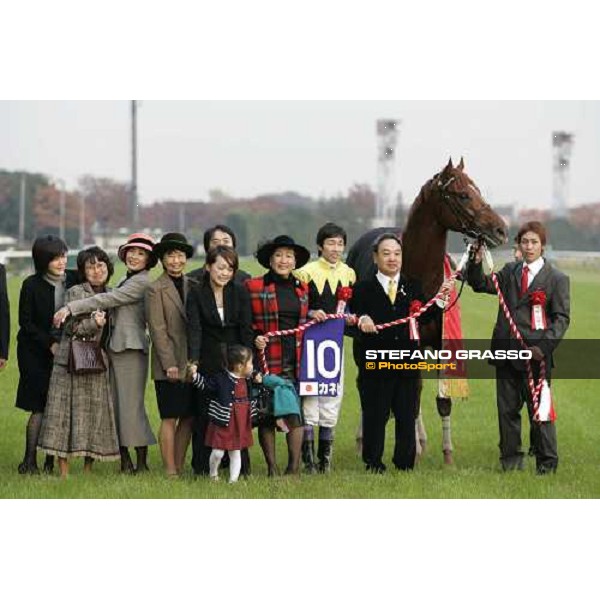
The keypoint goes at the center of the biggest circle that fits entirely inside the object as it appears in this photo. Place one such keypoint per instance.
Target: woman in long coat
(37, 342)
(79, 418)
(280, 301)
(219, 317)
(167, 321)
(128, 347)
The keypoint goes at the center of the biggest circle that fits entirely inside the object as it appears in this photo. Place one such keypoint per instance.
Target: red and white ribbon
(415, 315)
(537, 299)
(413, 325)
(534, 388)
(538, 317)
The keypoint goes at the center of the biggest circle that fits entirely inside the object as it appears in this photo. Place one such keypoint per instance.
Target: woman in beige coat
(167, 322)
(128, 347)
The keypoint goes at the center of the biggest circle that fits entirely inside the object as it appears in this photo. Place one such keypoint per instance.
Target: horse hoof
(448, 460)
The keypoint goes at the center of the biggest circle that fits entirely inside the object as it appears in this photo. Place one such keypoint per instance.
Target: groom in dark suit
(386, 297)
(525, 284)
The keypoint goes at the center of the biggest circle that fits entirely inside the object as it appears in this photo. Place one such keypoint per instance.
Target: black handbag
(262, 398)
(85, 356)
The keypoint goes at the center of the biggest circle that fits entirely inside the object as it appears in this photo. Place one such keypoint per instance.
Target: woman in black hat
(280, 301)
(166, 315)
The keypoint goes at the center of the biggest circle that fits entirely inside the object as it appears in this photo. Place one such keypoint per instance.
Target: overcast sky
(315, 148)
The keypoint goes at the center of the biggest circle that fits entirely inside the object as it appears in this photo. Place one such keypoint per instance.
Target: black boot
(126, 464)
(48, 464)
(245, 470)
(308, 456)
(324, 455)
(141, 456)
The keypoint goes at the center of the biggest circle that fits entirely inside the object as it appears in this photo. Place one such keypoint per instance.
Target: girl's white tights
(235, 463)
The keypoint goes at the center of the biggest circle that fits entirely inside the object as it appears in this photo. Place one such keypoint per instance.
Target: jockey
(324, 277)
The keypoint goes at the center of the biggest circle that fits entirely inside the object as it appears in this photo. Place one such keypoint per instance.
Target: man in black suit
(4, 318)
(524, 284)
(385, 297)
(219, 235)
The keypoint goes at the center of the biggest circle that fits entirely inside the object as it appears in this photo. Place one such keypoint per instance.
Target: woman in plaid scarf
(280, 301)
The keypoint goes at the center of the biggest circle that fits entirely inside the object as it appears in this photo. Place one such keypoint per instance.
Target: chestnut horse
(450, 200)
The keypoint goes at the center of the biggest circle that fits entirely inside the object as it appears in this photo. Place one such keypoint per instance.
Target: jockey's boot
(308, 456)
(324, 454)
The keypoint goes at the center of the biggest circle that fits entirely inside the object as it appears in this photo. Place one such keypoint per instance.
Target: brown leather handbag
(85, 356)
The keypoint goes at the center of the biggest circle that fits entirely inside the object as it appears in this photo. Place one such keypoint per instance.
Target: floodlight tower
(562, 144)
(134, 210)
(387, 137)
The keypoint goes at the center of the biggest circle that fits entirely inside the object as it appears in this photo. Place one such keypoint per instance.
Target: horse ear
(461, 164)
(449, 166)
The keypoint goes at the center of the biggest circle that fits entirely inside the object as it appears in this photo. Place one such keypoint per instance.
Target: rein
(534, 388)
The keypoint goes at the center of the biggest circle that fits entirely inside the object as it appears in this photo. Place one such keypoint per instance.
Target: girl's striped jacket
(220, 389)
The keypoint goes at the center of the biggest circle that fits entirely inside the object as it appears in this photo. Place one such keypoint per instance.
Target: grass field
(476, 472)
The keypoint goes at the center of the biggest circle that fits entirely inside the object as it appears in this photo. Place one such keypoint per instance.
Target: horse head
(462, 207)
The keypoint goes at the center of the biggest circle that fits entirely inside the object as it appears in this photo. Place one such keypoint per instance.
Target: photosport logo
(436, 357)
(475, 359)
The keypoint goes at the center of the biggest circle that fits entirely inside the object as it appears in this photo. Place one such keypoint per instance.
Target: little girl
(230, 410)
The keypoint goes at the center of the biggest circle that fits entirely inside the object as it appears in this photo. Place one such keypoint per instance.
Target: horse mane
(421, 198)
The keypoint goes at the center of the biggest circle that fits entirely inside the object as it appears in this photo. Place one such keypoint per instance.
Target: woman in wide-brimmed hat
(128, 347)
(280, 301)
(166, 314)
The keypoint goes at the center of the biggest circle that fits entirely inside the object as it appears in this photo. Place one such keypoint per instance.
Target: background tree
(10, 194)
(106, 202)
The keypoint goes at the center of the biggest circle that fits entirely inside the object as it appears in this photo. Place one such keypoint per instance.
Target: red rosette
(537, 298)
(413, 325)
(343, 294)
(537, 301)
(414, 307)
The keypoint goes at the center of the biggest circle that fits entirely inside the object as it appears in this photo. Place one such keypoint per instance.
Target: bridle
(464, 219)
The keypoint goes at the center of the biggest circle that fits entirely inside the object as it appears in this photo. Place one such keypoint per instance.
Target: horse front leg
(444, 408)
(420, 434)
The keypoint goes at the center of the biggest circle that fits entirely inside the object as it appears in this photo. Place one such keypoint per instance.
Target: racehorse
(449, 201)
